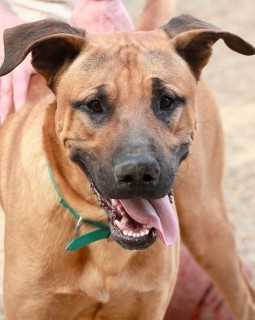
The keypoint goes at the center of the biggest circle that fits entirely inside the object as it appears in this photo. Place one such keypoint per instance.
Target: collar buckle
(78, 225)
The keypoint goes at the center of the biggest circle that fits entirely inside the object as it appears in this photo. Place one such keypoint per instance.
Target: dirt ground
(232, 78)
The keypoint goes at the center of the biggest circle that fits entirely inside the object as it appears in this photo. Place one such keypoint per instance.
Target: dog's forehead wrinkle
(94, 58)
(123, 74)
(121, 37)
(158, 84)
(125, 45)
(101, 90)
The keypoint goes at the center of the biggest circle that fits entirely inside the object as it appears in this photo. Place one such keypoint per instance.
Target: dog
(100, 149)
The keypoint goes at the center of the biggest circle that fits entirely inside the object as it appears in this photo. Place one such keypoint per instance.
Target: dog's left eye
(95, 106)
(166, 102)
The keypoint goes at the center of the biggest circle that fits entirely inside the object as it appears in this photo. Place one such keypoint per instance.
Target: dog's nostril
(147, 178)
(127, 179)
(138, 171)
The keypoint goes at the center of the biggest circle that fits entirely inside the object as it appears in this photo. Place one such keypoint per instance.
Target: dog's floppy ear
(193, 40)
(53, 44)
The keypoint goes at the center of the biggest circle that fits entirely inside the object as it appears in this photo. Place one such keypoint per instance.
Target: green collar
(78, 242)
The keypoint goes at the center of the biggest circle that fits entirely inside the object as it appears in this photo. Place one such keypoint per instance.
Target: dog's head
(126, 110)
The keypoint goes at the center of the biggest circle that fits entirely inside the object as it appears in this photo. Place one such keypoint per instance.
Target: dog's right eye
(166, 102)
(95, 106)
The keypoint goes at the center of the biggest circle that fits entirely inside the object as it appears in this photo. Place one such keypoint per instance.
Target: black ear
(193, 40)
(53, 44)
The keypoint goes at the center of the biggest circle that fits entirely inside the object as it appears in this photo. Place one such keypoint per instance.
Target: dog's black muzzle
(137, 168)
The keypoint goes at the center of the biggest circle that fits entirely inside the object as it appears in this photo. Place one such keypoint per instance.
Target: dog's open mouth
(135, 223)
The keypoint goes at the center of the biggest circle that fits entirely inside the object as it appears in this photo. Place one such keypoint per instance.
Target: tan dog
(124, 115)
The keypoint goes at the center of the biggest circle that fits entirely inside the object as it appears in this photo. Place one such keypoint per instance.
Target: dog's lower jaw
(130, 234)
(125, 231)
(130, 243)
(136, 223)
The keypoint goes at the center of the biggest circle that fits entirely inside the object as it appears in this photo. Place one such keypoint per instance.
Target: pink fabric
(195, 297)
(101, 16)
(13, 86)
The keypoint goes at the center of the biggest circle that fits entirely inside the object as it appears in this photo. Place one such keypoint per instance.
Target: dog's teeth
(120, 224)
(135, 234)
(130, 233)
(119, 207)
(124, 219)
(114, 202)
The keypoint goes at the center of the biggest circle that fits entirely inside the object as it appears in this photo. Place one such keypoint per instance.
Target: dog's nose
(137, 171)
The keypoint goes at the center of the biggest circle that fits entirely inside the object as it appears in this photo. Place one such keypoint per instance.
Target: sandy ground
(232, 78)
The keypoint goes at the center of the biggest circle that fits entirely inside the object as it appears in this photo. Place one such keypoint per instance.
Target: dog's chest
(113, 278)
(118, 296)
(113, 281)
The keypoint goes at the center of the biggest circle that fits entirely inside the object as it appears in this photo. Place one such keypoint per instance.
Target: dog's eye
(95, 106)
(166, 103)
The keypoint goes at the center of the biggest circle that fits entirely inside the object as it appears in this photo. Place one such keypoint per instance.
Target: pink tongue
(155, 213)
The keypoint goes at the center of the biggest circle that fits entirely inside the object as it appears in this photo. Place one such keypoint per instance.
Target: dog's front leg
(153, 305)
(217, 254)
(205, 227)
